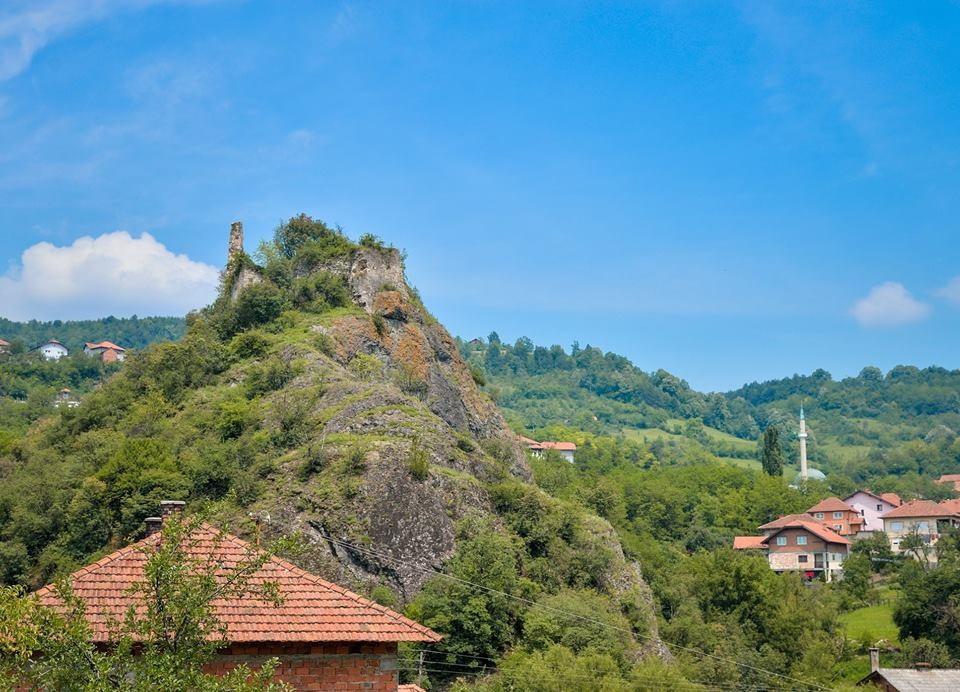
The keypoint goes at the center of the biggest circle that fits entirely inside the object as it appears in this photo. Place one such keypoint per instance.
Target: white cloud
(888, 305)
(26, 26)
(112, 274)
(951, 291)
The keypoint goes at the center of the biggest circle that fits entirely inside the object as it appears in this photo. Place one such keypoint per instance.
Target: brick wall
(334, 667)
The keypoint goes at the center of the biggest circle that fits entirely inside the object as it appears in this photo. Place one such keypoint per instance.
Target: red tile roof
(410, 688)
(921, 508)
(560, 446)
(4, 342)
(892, 498)
(814, 527)
(104, 344)
(313, 610)
(748, 543)
(831, 504)
(780, 522)
(949, 478)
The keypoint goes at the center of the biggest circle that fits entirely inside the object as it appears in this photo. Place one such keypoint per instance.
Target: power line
(534, 604)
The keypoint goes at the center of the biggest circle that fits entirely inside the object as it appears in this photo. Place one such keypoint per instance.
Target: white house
(52, 350)
(871, 506)
(566, 450)
(4, 346)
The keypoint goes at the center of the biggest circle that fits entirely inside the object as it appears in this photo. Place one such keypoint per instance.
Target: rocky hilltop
(316, 395)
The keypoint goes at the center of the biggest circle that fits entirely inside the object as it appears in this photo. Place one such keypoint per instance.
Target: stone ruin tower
(243, 271)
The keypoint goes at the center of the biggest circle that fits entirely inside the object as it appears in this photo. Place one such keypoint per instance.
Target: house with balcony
(838, 516)
(808, 547)
(925, 519)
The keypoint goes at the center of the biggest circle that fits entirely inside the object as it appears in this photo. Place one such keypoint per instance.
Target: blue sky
(730, 191)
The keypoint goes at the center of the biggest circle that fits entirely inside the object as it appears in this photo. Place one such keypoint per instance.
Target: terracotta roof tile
(814, 527)
(104, 344)
(892, 498)
(780, 522)
(921, 508)
(748, 543)
(949, 478)
(313, 610)
(831, 504)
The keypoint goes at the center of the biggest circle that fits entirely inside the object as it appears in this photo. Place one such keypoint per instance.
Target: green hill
(895, 431)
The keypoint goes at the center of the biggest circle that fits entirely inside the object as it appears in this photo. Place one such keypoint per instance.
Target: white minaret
(803, 446)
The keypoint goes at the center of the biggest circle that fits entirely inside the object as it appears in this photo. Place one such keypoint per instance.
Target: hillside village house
(52, 350)
(920, 678)
(807, 546)
(925, 518)
(838, 515)
(106, 351)
(326, 637)
(567, 450)
(65, 399)
(871, 506)
(4, 346)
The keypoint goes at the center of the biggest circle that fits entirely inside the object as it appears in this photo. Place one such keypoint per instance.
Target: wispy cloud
(26, 26)
(889, 305)
(112, 274)
(951, 291)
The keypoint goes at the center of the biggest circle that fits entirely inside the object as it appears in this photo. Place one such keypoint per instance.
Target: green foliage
(310, 241)
(771, 453)
(257, 305)
(269, 375)
(365, 366)
(320, 291)
(129, 332)
(249, 344)
(581, 620)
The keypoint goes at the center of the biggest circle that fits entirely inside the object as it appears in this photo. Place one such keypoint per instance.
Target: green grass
(873, 622)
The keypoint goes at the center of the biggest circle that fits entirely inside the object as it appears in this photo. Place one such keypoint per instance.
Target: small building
(567, 450)
(52, 350)
(106, 351)
(837, 515)
(65, 399)
(951, 479)
(924, 518)
(4, 346)
(921, 678)
(325, 637)
(871, 506)
(806, 546)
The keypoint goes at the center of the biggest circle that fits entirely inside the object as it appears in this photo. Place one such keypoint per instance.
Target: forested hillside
(129, 332)
(896, 430)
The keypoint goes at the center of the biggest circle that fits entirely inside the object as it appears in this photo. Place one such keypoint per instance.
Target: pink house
(871, 506)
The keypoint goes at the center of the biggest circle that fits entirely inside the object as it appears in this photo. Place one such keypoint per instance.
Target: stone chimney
(235, 247)
(154, 524)
(874, 659)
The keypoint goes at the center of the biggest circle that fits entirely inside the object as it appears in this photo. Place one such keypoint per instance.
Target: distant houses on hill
(567, 450)
(54, 349)
(4, 346)
(817, 542)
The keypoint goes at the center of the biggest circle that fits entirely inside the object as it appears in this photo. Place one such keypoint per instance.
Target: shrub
(304, 237)
(355, 459)
(365, 366)
(314, 463)
(257, 304)
(269, 376)
(320, 291)
(379, 324)
(249, 344)
(371, 241)
(479, 378)
(465, 444)
(418, 463)
(324, 343)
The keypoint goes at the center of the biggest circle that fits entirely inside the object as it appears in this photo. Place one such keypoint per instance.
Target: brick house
(838, 516)
(807, 546)
(326, 637)
(106, 351)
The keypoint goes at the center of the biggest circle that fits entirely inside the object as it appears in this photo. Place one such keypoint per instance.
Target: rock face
(399, 444)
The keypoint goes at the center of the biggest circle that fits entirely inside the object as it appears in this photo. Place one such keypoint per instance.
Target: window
(923, 526)
(879, 508)
(801, 558)
(896, 526)
(818, 515)
(781, 540)
(801, 540)
(838, 527)
(838, 515)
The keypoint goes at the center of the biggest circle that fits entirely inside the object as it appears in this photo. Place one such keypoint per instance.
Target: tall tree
(771, 454)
